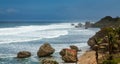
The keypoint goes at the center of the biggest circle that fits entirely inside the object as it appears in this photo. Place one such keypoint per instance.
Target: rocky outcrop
(23, 54)
(88, 25)
(74, 48)
(104, 37)
(49, 61)
(78, 25)
(107, 21)
(69, 55)
(45, 50)
(99, 35)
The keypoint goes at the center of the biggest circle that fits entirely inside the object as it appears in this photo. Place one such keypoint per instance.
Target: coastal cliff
(107, 21)
(107, 40)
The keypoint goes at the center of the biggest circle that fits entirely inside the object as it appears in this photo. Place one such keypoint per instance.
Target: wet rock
(69, 55)
(45, 50)
(49, 61)
(72, 24)
(87, 25)
(23, 54)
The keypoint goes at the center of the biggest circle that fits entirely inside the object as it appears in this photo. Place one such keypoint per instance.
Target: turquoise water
(30, 36)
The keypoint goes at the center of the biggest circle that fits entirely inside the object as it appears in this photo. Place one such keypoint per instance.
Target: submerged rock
(87, 25)
(72, 24)
(23, 54)
(45, 50)
(69, 55)
(49, 61)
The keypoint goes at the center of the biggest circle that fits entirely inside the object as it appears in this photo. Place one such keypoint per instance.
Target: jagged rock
(74, 47)
(99, 35)
(91, 42)
(87, 25)
(45, 50)
(49, 61)
(23, 54)
(69, 55)
(79, 24)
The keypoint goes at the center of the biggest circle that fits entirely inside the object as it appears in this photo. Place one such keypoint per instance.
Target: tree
(96, 50)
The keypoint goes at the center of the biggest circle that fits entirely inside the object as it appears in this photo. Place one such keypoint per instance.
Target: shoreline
(89, 57)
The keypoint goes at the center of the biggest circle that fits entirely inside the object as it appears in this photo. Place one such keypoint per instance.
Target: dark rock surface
(23, 54)
(45, 50)
(107, 21)
(49, 61)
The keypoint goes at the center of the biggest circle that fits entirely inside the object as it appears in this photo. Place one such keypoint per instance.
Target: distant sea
(15, 37)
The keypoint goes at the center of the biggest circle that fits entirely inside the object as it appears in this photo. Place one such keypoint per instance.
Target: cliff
(107, 21)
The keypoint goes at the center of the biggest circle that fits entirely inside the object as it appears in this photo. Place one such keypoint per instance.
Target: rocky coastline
(107, 21)
(107, 40)
(68, 55)
(109, 30)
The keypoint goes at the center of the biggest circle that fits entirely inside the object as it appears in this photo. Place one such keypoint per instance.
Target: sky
(58, 9)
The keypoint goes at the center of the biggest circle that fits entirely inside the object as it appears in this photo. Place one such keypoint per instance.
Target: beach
(87, 58)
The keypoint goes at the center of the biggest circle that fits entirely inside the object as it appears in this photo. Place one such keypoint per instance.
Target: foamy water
(31, 37)
(30, 33)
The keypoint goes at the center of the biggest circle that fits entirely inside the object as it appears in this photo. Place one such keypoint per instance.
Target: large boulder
(45, 50)
(49, 61)
(23, 54)
(69, 55)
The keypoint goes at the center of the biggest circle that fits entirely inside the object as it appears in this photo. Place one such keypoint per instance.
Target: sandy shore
(87, 58)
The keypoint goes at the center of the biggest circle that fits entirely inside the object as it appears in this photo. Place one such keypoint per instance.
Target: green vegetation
(107, 21)
(108, 43)
(114, 61)
(109, 62)
(107, 40)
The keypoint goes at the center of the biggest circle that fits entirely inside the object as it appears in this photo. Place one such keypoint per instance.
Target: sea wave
(33, 32)
(24, 29)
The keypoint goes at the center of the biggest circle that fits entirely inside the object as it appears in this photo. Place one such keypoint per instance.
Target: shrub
(109, 62)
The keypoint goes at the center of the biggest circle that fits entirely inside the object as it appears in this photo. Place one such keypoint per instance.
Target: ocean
(15, 37)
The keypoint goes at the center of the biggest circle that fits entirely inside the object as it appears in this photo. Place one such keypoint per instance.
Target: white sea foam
(23, 29)
(33, 32)
(38, 32)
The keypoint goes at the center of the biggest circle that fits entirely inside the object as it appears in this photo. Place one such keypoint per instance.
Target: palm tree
(96, 49)
(111, 44)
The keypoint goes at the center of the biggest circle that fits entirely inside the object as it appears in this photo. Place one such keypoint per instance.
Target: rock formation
(99, 35)
(107, 21)
(87, 25)
(23, 54)
(49, 61)
(45, 50)
(69, 55)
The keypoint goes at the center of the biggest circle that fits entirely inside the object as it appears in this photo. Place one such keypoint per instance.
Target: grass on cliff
(113, 45)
